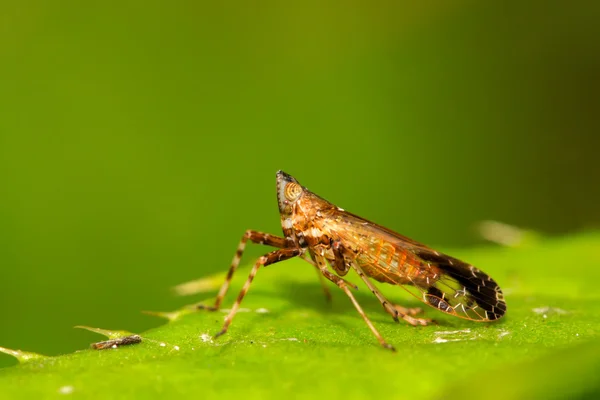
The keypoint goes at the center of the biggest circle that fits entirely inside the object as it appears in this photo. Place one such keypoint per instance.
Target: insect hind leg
(326, 290)
(342, 284)
(397, 312)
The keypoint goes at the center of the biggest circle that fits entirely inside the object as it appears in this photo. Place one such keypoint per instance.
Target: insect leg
(339, 264)
(267, 259)
(386, 304)
(255, 237)
(408, 310)
(325, 288)
(395, 311)
(342, 284)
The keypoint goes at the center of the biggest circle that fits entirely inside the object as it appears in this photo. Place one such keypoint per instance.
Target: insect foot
(418, 321)
(408, 311)
(388, 346)
(207, 308)
(220, 333)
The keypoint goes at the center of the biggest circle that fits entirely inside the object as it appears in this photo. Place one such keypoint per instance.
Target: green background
(138, 140)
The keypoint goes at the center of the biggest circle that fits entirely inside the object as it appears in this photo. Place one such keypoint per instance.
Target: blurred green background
(138, 140)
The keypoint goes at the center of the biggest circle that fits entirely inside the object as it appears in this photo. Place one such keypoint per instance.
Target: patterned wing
(461, 289)
(443, 282)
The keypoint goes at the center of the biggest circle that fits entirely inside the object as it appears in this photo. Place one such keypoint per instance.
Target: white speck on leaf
(549, 310)
(503, 333)
(454, 336)
(68, 389)
(262, 310)
(176, 348)
(162, 345)
(206, 338)
(452, 332)
(114, 346)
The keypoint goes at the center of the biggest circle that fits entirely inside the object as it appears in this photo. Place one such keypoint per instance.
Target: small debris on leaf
(114, 343)
(68, 389)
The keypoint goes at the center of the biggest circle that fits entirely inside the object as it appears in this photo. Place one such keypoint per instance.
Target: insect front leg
(395, 311)
(341, 283)
(340, 264)
(255, 237)
(267, 259)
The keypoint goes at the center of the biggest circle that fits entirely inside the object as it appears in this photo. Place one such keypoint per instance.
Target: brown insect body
(445, 282)
(330, 235)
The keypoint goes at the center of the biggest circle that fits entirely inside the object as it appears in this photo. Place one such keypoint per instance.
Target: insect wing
(441, 281)
(461, 289)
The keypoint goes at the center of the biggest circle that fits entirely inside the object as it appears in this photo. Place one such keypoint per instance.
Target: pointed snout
(282, 176)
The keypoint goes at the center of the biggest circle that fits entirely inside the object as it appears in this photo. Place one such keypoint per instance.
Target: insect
(114, 343)
(329, 235)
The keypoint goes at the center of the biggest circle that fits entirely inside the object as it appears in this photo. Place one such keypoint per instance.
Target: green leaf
(287, 341)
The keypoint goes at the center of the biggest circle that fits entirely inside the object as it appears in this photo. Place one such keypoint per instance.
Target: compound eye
(292, 191)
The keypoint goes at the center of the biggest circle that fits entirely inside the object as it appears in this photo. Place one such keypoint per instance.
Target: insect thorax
(305, 221)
